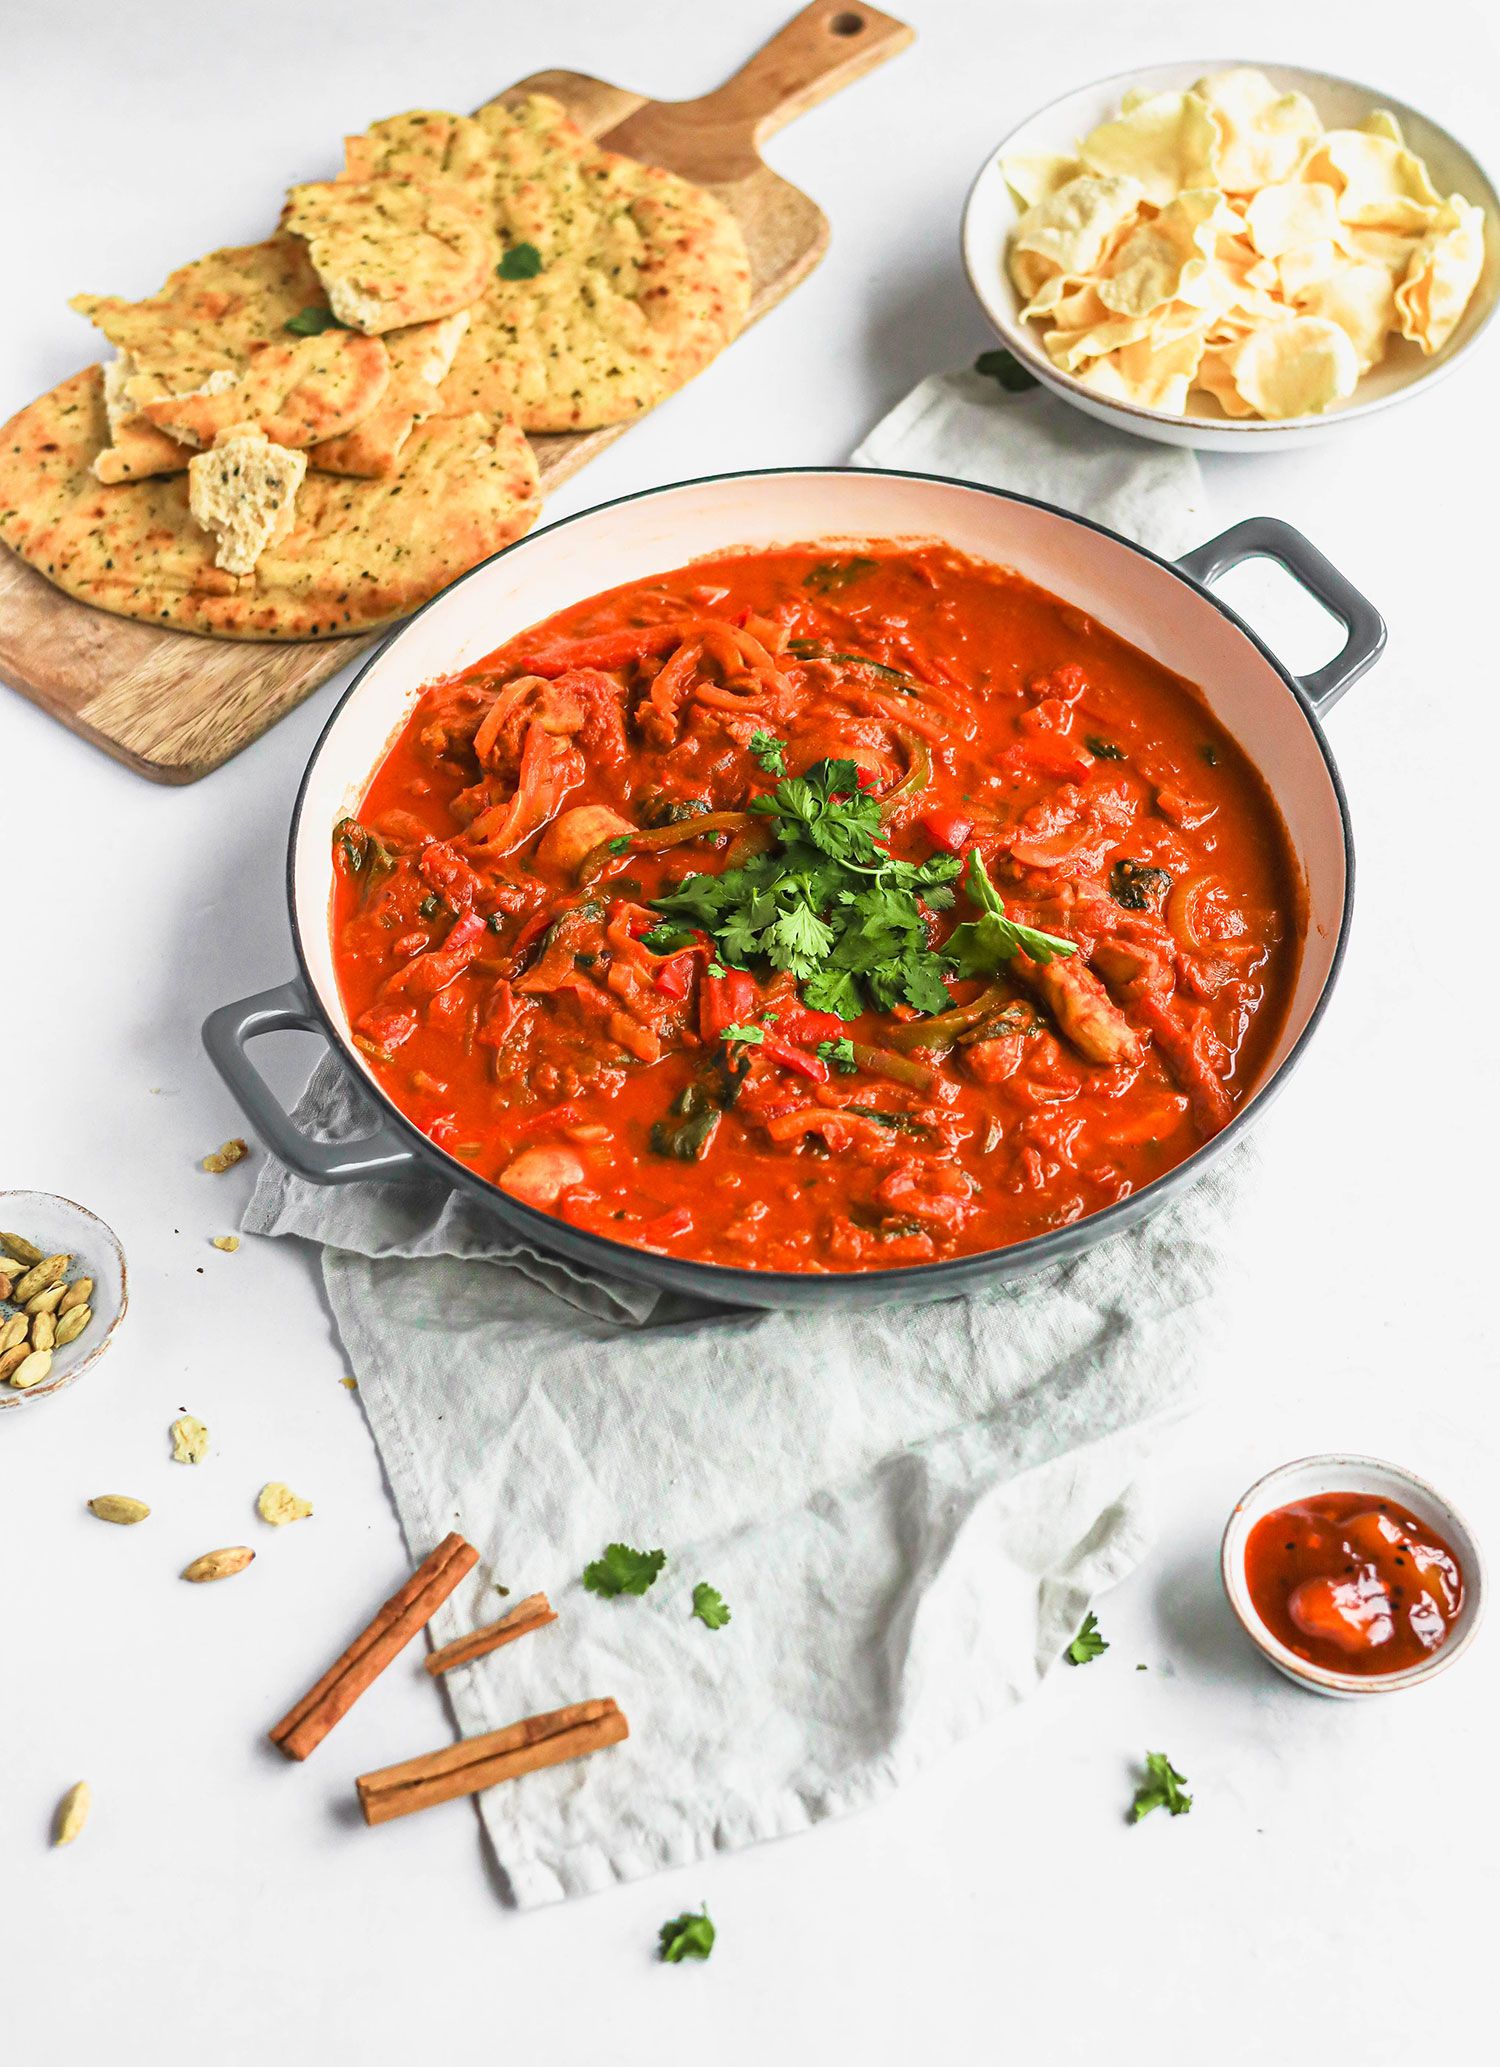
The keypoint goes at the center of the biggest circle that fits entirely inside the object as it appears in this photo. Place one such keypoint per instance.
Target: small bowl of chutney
(1352, 1576)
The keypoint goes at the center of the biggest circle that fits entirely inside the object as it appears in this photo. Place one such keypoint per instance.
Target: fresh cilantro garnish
(521, 262)
(831, 904)
(620, 843)
(1161, 1789)
(984, 944)
(839, 1055)
(829, 575)
(687, 1937)
(770, 751)
(666, 940)
(715, 968)
(313, 322)
(623, 1570)
(708, 1605)
(1087, 1645)
(1007, 369)
(752, 1036)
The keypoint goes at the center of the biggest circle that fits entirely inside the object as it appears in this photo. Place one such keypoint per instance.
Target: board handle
(716, 138)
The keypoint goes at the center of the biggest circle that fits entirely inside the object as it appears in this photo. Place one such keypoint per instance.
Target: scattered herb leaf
(623, 1570)
(521, 262)
(1210, 754)
(1105, 749)
(620, 844)
(708, 1605)
(668, 940)
(752, 1036)
(830, 575)
(1161, 1789)
(690, 1936)
(313, 322)
(1137, 885)
(1007, 369)
(1087, 1645)
(839, 1055)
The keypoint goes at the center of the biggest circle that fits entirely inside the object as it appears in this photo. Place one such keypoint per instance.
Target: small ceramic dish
(992, 211)
(58, 1226)
(1306, 1479)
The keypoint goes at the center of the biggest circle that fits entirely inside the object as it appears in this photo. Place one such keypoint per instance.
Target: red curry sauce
(656, 1082)
(1353, 1583)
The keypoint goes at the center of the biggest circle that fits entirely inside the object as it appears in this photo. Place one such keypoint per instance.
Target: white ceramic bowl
(991, 214)
(59, 1227)
(1305, 1479)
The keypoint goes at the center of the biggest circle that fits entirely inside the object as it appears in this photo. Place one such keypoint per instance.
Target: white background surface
(1332, 1893)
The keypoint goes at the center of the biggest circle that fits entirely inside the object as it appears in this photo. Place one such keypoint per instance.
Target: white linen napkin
(906, 1510)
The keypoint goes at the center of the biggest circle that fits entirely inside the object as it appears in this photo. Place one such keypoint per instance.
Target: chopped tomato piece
(950, 829)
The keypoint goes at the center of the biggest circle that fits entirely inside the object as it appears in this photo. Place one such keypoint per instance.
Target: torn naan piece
(359, 554)
(424, 143)
(244, 492)
(420, 357)
(392, 251)
(136, 448)
(299, 391)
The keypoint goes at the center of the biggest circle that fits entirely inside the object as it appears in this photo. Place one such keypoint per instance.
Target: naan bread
(424, 143)
(420, 357)
(299, 390)
(359, 554)
(392, 251)
(202, 331)
(643, 277)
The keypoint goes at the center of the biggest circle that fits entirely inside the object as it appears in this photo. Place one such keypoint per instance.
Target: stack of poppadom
(311, 435)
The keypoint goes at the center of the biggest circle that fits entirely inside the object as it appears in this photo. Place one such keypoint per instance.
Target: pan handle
(1267, 538)
(282, 1010)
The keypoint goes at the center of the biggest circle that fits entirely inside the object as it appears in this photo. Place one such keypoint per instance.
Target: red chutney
(503, 968)
(1352, 1583)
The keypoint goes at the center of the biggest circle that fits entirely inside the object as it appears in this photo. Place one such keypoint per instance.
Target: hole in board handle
(847, 24)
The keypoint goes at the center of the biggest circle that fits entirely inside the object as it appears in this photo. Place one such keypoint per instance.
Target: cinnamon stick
(535, 1612)
(480, 1762)
(304, 1727)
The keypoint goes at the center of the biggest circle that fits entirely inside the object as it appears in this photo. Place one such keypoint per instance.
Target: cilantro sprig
(623, 1570)
(1161, 1789)
(521, 262)
(1087, 1645)
(985, 944)
(829, 904)
(769, 751)
(690, 1936)
(709, 1606)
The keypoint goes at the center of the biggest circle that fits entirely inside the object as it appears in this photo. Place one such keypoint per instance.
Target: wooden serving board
(173, 705)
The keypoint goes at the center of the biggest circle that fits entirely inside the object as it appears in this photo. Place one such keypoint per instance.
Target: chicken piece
(540, 1176)
(571, 838)
(1082, 1007)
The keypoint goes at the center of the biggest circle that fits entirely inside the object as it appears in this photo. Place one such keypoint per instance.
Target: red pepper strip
(676, 1220)
(800, 1023)
(540, 1122)
(948, 829)
(611, 650)
(469, 928)
(795, 1059)
(726, 1000)
(1049, 757)
(674, 977)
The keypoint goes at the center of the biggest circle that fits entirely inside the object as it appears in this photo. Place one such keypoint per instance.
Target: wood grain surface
(172, 705)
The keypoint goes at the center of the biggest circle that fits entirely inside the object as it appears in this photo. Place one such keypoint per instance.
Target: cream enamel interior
(1146, 604)
(991, 214)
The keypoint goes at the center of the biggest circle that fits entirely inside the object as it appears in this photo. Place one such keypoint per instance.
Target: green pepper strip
(945, 1027)
(898, 1068)
(918, 773)
(598, 858)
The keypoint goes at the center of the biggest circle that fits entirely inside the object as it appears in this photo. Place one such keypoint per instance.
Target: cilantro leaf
(830, 575)
(313, 322)
(1007, 369)
(752, 1036)
(983, 945)
(623, 1570)
(1161, 1789)
(666, 940)
(521, 262)
(1087, 1645)
(708, 1605)
(769, 751)
(839, 1055)
(620, 843)
(690, 1936)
